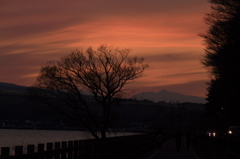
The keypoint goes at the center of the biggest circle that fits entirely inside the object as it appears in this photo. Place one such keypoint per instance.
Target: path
(168, 151)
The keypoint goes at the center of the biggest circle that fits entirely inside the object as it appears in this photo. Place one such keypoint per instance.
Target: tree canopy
(222, 59)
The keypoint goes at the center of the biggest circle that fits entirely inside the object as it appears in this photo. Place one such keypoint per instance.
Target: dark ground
(168, 151)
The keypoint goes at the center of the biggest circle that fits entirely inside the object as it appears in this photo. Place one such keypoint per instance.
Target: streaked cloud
(164, 32)
(173, 57)
(185, 74)
(30, 75)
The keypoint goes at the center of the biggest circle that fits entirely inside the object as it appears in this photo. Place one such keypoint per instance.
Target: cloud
(164, 32)
(184, 74)
(28, 17)
(34, 48)
(30, 75)
(172, 57)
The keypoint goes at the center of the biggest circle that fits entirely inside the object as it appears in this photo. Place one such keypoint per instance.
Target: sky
(164, 32)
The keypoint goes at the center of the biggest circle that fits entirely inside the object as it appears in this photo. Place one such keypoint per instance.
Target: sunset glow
(164, 33)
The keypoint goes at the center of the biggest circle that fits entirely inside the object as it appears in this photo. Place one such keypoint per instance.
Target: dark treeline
(221, 59)
(20, 111)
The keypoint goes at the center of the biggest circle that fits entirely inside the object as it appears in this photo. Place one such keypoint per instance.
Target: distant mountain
(8, 87)
(167, 96)
(163, 95)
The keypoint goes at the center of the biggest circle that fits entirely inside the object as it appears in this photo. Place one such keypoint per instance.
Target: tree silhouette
(103, 72)
(222, 58)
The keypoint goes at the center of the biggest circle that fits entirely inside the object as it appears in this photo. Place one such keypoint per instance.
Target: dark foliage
(222, 60)
(18, 110)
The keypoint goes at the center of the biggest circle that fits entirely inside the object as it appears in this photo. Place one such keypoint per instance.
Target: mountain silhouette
(9, 87)
(168, 96)
(163, 95)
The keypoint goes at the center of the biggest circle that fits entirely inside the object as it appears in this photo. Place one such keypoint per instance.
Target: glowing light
(209, 134)
(214, 134)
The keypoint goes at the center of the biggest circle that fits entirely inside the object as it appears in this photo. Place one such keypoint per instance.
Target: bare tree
(103, 72)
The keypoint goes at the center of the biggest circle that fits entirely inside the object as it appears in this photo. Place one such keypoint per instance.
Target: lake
(22, 137)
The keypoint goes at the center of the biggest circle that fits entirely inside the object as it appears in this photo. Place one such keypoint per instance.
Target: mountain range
(168, 96)
(163, 95)
(8, 87)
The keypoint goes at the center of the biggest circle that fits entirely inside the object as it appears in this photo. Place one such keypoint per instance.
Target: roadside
(168, 151)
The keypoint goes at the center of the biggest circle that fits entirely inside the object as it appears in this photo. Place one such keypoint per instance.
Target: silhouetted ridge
(9, 87)
(168, 96)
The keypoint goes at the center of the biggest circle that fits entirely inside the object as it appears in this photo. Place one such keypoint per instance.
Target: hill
(168, 96)
(8, 87)
(20, 110)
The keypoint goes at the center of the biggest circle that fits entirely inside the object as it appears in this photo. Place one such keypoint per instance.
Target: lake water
(19, 137)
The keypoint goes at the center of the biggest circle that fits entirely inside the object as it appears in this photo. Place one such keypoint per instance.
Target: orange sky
(165, 33)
